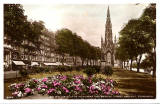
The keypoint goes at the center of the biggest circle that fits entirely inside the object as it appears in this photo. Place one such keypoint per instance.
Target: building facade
(22, 54)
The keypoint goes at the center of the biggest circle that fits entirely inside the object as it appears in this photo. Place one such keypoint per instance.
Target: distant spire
(115, 39)
(101, 40)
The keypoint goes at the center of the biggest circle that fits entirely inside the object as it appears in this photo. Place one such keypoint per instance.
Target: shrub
(64, 68)
(47, 69)
(89, 71)
(23, 72)
(108, 70)
(97, 68)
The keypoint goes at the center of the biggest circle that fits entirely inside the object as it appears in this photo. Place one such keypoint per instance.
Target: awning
(7, 46)
(48, 64)
(18, 62)
(58, 63)
(34, 63)
(66, 64)
(54, 64)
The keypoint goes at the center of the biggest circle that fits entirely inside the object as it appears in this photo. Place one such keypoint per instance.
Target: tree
(147, 63)
(134, 41)
(83, 51)
(148, 23)
(14, 23)
(64, 42)
(127, 40)
(19, 31)
(72, 44)
(121, 55)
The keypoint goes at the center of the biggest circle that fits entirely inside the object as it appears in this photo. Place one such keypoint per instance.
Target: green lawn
(129, 82)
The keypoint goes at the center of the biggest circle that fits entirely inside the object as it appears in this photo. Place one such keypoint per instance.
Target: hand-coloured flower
(15, 93)
(111, 80)
(107, 93)
(44, 79)
(44, 86)
(55, 83)
(38, 89)
(77, 81)
(50, 90)
(78, 88)
(27, 90)
(66, 90)
(63, 77)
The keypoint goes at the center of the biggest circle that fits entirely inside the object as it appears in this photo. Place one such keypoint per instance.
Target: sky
(87, 20)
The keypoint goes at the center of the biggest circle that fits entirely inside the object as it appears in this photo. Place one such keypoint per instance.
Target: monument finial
(108, 13)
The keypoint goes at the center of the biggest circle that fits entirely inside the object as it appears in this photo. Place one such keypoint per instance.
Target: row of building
(19, 55)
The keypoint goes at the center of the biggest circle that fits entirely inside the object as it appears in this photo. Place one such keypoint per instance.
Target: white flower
(32, 91)
(43, 89)
(102, 81)
(58, 92)
(97, 87)
(20, 94)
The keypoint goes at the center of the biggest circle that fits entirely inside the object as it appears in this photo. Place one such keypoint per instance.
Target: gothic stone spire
(108, 13)
(107, 45)
(108, 28)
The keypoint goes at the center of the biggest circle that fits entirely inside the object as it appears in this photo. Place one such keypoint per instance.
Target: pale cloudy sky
(87, 20)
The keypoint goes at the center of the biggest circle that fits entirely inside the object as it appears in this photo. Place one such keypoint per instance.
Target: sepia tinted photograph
(79, 51)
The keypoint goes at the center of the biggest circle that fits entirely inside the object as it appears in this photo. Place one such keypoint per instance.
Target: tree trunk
(127, 64)
(154, 64)
(131, 65)
(82, 61)
(124, 64)
(62, 59)
(138, 63)
(75, 63)
(90, 62)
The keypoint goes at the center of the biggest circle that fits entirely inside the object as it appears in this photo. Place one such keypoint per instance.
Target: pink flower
(63, 77)
(108, 87)
(78, 88)
(44, 86)
(64, 88)
(78, 77)
(38, 89)
(17, 86)
(45, 79)
(51, 90)
(113, 92)
(90, 79)
(116, 92)
(35, 80)
(91, 89)
(107, 93)
(27, 90)
(103, 86)
(77, 82)
(111, 80)
(15, 93)
(55, 83)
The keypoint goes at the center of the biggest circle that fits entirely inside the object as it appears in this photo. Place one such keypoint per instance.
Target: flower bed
(60, 85)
